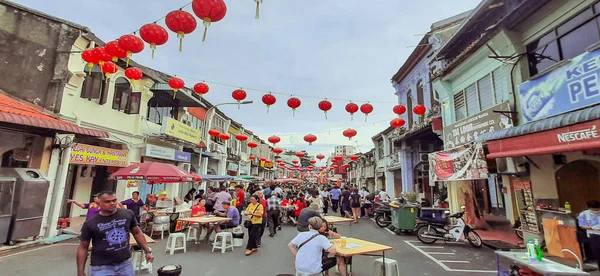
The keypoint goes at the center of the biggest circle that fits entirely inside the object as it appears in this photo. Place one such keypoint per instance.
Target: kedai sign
(572, 86)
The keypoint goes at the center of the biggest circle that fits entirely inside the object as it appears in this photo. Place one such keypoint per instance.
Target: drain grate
(500, 245)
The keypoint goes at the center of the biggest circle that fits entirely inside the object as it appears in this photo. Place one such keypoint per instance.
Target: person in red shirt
(199, 209)
(240, 198)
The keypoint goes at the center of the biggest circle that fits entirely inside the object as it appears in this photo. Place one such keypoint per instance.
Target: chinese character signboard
(92, 155)
(466, 162)
(467, 130)
(572, 86)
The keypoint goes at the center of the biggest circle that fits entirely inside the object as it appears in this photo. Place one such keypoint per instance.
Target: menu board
(526, 206)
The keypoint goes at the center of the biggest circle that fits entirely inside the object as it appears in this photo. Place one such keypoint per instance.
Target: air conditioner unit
(423, 157)
(214, 147)
(187, 167)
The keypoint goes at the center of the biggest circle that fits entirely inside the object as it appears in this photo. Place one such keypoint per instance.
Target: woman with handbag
(254, 211)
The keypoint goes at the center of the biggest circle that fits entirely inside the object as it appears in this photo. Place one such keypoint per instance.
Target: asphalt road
(274, 258)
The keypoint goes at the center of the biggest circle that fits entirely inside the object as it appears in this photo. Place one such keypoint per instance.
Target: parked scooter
(383, 214)
(430, 230)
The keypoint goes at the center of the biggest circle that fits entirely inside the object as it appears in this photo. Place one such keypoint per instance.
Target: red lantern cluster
(109, 68)
(131, 44)
(115, 51)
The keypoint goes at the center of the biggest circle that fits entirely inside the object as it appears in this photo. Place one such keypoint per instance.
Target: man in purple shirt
(92, 207)
(221, 197)
(134, 204)
(231, 213)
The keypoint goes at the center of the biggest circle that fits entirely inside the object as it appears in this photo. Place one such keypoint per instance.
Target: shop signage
(232, 167)
(181, 131)
(467, 130)
(571, 86)
(244, 170)
(233, 130)
(466, 162)
(92, 155)
(582, 136)
(167, 153)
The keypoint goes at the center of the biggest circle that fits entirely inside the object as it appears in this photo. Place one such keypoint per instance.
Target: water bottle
(538, 251)
(567, 207)
(531, 254)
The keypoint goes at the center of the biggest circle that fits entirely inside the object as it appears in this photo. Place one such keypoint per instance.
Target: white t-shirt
(383, 196)
(309, 256)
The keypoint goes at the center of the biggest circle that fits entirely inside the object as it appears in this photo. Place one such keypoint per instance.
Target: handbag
(248, 223)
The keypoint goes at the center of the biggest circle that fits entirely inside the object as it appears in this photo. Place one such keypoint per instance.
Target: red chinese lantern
(399, 109)
(353, 157)
(351, 108)
(214, 132)
(115, 51)
(251, 157)
(295, 161)
(182, 23)
(349, 133)
(325, 106)
(241, 137)
(209, 11)
(102, 55)
(294, 103)
(297, 165)
(201, 89)
(176, 84)
(339, 157)
(155, 35)
(109, 68)
(279, 161)
(131, 44)
(277, 150)
(419, 110)
(334, 166)
(252, 145)
(238, 95)
(300, 154)
(397, 123)
(133, 74)
(320, 156)
(274, 139)
(310, 138)
(89, 57)
(269, 100)
(366, 109)
(312, 161)
(224, 136)
(263, 159)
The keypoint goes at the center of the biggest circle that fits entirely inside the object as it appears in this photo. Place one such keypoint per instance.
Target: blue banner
(183, 156)
(571, 86)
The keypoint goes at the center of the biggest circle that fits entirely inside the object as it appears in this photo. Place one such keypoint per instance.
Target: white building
(344, 150)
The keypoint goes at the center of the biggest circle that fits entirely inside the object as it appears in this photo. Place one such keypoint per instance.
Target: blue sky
(346, 49)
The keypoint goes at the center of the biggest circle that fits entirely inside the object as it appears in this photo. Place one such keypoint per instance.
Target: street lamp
(210, 117)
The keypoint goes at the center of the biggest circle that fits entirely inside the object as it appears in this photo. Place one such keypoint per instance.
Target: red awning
(14, 111)
(577, 137)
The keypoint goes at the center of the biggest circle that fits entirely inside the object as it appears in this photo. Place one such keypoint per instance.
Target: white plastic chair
(222, 243)
(391, 266)
(172, 243)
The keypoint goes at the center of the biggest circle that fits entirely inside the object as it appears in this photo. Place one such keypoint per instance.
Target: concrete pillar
(51, 174)
(204, 165)
(59, 187)
(389, 184)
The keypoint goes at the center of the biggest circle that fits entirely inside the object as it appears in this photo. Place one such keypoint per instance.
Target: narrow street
(274, 257)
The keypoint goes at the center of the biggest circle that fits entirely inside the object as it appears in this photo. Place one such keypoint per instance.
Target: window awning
(185, 98)
(17, 112)
(573, 131)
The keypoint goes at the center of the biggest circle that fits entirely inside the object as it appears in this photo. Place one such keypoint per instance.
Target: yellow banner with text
(181, 131)
(93, 155)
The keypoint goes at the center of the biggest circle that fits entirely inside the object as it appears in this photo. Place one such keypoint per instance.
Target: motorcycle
(518, 229)
(383, 214)
(431, 230)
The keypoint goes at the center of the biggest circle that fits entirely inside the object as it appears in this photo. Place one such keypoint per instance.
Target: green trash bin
(404, 217)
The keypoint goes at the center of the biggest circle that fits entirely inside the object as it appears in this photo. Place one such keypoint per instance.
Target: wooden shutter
(486, 93)
(472, 100)
(501, 85)
(92, 86)
(460, 108)
(134, 103)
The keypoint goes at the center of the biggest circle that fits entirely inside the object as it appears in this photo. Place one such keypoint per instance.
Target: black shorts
(328, 263)
(227, 225)
(368, 205)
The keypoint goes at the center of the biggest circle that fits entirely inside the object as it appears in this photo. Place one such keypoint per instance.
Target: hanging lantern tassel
(90, 66)
(107, 76)
(206, 25)
(366, 116)
(239, 105)
(180, 35)
(325, 114)
(128, 56)
(268, 106)
(258, 2)
(175, 93)
(351, 117)
(293, 112)
(153, 47)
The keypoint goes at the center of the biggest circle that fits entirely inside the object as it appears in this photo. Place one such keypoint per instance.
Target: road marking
(35, 249)
(441, 253)
(451, 261)
(440, 263)
(425, 246)
(391, 232)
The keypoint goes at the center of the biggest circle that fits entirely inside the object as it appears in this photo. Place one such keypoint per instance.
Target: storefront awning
(183, 96)
(573, 131)
(14, 111)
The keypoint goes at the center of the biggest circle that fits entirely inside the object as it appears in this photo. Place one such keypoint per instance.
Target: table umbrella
(155, 172)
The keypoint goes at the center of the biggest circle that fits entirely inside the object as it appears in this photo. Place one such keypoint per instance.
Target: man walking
(109, 233)
(134, 204)
(335, 194)
(274, 211)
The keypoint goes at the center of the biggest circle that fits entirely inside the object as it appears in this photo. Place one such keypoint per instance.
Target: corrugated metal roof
(571, 118)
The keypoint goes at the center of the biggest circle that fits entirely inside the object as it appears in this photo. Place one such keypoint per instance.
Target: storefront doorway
(577, 182)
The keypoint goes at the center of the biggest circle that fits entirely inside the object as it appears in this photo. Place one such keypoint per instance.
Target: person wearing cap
(308, 249)
(93, 207)
(230, 212)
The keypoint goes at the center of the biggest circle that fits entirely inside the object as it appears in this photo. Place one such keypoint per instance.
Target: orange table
(365, 248)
